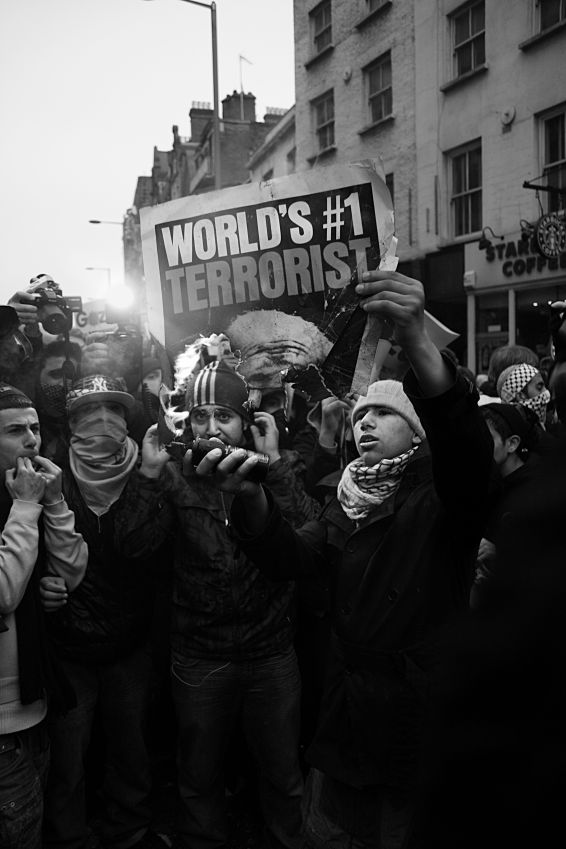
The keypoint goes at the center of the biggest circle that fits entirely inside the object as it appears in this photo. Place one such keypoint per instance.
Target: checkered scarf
(512, 388)
(362, 487)
(516, 382)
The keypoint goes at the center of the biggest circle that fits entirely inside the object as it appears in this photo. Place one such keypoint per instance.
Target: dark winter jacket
(223, 607)
(395, 580)
(109, 614)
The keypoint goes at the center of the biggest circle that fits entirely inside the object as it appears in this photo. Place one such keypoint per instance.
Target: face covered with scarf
(523, 384)
(99, 433)
(101, 454)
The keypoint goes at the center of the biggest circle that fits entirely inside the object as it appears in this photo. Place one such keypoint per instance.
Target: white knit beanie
(390, 394)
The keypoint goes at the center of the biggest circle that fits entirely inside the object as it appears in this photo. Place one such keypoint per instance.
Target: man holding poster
(397, 546)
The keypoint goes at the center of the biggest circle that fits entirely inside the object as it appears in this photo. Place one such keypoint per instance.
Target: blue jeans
(24, 760)
(120, 692)
(211, 697)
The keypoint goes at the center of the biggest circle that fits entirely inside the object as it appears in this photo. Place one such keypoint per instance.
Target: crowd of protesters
(360, 614)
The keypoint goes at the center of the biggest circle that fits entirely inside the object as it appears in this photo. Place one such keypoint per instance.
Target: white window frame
(553, 202)
(561, 14)
(462, 201)
(323, 127)
(321, 35)
(473, 40)
(383, 95)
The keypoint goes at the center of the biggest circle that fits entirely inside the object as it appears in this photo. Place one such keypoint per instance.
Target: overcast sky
(88, 87)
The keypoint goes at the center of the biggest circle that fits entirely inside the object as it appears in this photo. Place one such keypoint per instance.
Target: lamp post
(216, 108)
(99, 221)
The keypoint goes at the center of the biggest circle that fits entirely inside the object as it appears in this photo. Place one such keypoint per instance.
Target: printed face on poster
(270, 265)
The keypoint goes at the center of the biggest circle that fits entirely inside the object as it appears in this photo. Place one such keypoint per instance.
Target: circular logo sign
(550, 235)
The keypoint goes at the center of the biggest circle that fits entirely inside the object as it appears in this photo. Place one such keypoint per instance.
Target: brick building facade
(464, 101)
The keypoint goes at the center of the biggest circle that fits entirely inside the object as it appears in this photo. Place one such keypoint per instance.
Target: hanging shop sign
(550, 235)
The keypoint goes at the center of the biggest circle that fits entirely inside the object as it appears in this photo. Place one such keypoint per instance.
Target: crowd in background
(151, 625)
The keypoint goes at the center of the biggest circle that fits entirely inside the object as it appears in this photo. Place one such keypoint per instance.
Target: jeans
(338, 816)
(120, 692)
(24, 760)
(211, 697)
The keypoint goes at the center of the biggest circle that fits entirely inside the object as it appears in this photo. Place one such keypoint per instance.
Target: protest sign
(272, 265)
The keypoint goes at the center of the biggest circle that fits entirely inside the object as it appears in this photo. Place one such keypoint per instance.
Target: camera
(54, 311)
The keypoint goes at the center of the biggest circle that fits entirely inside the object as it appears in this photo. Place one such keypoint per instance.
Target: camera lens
(53, 319)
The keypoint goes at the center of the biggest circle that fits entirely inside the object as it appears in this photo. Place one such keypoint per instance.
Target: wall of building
(276, 156)
(359, 39)
(500, 104)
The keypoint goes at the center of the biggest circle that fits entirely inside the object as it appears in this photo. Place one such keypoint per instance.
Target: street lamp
(98, 221)
(216, 109)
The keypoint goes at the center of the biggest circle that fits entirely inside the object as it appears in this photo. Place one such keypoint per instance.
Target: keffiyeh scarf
(362, 488)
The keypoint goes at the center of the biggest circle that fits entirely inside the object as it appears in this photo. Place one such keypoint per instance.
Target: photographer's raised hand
(27, 312)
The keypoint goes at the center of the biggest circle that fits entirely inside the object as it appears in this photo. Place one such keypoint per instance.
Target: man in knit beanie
(32, 505)
(397, 547)
(233, 661)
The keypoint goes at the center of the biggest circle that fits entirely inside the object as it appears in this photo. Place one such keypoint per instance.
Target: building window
(551, 12)
(321, 26)
(468, 36)
(291, 157)
(554, 151)
(466, 198)
(390, 183)
(323, 113)
(379, 91)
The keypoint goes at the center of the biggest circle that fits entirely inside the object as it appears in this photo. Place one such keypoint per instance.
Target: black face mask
(281, 422)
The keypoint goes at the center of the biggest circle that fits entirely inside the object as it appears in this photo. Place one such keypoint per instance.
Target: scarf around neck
(362, 488)
(101, 457)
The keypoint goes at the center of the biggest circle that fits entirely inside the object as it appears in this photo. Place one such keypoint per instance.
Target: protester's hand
(53, 593)
(96, 356)
(266, 436)
(27, 313)
(486, 550)
(24, 483)
(228, 474)
(53, 477)
(333, 418)
(154, 456)
(398, 299)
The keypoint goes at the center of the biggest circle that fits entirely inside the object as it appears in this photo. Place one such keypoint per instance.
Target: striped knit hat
(219, 384)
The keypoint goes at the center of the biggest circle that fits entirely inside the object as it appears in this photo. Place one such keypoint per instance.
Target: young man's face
(535, 386)
(210, 420)
(19, 436)
(381, 434)
(52, 372)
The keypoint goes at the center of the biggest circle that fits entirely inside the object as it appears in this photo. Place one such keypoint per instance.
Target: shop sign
(511, 261)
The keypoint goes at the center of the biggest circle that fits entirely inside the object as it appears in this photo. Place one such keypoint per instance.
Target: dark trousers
(210, 698)
(338, 816)
(24, 760)
(120, 692)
